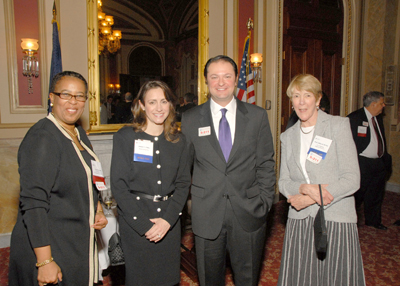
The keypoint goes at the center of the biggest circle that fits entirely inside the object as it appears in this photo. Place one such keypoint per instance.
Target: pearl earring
(51, 104)
(317, 107)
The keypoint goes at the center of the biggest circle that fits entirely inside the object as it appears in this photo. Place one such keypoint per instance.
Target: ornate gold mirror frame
(93, 65)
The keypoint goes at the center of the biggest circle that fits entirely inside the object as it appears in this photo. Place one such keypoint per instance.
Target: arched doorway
(145, 61)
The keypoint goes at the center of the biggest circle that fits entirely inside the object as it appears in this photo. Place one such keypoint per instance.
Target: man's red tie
(378, 137)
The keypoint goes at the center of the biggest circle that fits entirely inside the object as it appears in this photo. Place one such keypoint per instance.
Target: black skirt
(149, 263)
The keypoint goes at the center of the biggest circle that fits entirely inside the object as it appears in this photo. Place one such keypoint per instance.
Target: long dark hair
(139, 116)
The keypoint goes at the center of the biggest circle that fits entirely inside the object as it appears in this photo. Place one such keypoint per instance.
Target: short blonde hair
(305, 82)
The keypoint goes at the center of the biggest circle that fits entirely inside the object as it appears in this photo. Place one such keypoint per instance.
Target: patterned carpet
(380, 249)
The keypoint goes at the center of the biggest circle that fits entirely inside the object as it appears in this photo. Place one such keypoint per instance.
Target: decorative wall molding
(12, 64)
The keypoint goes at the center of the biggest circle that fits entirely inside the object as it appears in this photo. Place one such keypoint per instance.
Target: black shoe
(379, 226)
(397, 222)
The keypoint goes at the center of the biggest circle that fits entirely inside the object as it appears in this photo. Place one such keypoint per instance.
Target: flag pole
(250, 26)
(56, 61)
(245, 87)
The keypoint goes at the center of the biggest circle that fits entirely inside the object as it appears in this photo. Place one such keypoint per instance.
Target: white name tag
(365, 123)
(314, 157)
(98, 177)
(143, 151)
(320, 146)
(96, 169)
(362, 130)
(101, 186)
(204, 131)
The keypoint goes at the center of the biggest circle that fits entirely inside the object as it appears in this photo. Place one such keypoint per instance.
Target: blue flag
(56, 62)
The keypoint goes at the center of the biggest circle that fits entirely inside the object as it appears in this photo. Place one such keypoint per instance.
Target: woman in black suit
(150, 179)
(59, 209)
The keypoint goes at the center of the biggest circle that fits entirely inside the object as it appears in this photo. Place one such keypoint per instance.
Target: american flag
(245, 90)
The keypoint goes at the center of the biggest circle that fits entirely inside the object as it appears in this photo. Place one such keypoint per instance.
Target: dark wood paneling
(312, 43)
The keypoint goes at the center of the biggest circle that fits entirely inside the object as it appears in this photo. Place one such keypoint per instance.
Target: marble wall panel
(9, 182)
(9, 179)
(374, 39)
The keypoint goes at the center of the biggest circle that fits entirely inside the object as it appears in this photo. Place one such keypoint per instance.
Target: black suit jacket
(356, 119)
(248, 178)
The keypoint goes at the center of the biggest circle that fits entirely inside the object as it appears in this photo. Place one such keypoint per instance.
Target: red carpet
(380, 249)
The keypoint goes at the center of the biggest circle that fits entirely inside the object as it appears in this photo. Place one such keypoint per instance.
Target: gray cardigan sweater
(339, 169)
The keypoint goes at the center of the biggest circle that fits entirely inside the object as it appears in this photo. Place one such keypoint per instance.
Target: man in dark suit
(188, 101)
(233, 178)
(374, 160)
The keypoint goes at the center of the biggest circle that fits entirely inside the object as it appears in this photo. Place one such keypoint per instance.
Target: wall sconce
(110, 88)
(113, 88)
(117, 88)
(256, 61)
(30, 64)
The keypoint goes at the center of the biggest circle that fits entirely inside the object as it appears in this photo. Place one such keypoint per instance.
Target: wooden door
(312, 43)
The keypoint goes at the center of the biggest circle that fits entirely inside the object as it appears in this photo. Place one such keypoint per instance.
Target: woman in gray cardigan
(319, 149)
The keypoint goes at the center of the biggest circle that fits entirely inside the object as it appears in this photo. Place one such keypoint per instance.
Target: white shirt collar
(230, 107)
(369, 115)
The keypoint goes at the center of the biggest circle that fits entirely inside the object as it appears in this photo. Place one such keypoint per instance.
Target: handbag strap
(320, 193)
(322, 217)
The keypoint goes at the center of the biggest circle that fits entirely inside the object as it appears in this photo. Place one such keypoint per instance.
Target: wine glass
(108, 201)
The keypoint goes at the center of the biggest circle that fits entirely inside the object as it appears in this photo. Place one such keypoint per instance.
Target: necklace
(308, 131)
(74, 135)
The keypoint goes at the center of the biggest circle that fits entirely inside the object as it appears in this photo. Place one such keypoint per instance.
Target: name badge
(314, 157)
(101, 186)
(98, 177)
(362, 131)
(143, 151)
(365, 123)
(204, 131)
(320, 147)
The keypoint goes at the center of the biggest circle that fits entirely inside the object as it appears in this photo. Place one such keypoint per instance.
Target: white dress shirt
(230, 116)
(305, 144)
(372, 149)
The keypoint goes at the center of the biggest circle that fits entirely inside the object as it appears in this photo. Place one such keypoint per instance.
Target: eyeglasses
(68, 96)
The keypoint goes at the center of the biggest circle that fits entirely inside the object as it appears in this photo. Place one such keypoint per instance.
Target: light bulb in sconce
(117, 34)
(110, 88)
(117, 88)
(30, 64)
(101, 15)
(110, 20)
(256, 61)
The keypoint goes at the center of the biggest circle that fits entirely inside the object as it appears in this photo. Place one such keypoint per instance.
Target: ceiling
(153, 20)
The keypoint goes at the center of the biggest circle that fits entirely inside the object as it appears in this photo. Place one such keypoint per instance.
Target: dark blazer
(56, 207)
(356, 119)
(248, 178)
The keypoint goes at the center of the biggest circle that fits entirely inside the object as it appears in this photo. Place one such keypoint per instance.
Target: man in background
(127, 108)
(188, 104)
(110, 109)
(374, 160)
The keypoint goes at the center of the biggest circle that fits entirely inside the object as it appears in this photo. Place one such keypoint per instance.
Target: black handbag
(115, 250)
(320, 232)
